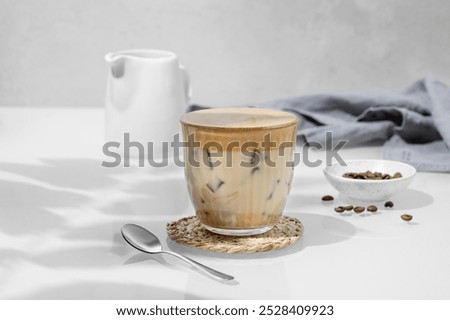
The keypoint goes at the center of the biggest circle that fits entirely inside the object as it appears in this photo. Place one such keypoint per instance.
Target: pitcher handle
(186, 83)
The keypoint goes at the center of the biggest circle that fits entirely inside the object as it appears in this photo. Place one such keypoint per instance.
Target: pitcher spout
(117, 63)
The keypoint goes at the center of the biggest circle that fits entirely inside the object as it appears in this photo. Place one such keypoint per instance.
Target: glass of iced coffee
(239, 164)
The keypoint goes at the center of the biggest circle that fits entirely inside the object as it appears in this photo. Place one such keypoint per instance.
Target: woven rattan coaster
(190, 232)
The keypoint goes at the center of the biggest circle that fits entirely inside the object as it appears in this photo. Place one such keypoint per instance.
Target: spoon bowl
(141, 239)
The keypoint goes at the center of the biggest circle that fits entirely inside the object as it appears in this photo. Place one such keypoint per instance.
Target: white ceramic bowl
(374, 190)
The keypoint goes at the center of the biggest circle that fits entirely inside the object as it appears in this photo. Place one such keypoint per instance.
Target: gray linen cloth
(413, 124)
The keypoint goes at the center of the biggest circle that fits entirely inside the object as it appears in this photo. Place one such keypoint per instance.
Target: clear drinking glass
(239, 167)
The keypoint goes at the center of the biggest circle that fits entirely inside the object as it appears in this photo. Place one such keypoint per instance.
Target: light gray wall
(237, 51)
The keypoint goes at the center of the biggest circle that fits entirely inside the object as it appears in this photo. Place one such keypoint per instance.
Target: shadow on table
(75, 173)
(94, 246)
(106, 291)
(406, 200)
(127, 191)
(30, 202)
(323, 230)
(161, 197)
(43, 198)
(27, 208)
(80, 257)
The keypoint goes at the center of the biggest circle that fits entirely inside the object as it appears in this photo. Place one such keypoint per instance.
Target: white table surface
(61, 212)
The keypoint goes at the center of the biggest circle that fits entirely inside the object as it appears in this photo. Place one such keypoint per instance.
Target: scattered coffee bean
(339, 209)
(406, 217)
(372, 208)
(348, 208)
(369, 175)
(359, 209)
(388, 204)
(327, 198)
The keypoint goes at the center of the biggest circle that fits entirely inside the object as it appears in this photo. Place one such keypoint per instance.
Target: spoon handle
(215, 273)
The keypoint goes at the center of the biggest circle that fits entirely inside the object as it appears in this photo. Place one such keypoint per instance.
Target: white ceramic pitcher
(147, 93)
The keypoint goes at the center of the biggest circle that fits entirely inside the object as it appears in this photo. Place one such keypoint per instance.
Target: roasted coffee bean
(359, 209)
(339, 209)
(348, 208)
(349, 175)
(369, 175)
(406, 217)
(397, 175)
(372, 208)
(327, 198)
(388, 204)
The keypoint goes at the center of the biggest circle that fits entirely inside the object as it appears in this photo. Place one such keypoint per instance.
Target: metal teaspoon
(143, 240)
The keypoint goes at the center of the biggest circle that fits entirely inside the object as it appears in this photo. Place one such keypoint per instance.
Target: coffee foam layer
(244, 118)
(251, 125)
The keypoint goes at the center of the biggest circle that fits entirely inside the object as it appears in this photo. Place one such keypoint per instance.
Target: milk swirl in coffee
(239, 167)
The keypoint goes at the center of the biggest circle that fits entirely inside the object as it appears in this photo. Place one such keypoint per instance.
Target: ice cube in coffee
(239, 167)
